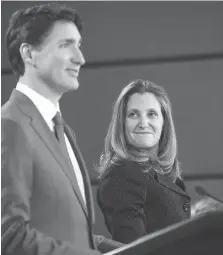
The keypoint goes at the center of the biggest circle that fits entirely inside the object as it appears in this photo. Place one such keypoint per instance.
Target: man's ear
(27, 53)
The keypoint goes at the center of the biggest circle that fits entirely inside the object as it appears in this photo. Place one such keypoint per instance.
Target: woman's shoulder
(123, 181)
(131, 170)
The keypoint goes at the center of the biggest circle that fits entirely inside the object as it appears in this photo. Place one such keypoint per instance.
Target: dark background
(178, 45)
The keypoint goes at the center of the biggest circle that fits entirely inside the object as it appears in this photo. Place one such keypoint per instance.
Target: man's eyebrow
(71, 40)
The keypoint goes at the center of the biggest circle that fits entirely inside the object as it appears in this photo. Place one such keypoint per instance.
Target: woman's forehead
(143, 101)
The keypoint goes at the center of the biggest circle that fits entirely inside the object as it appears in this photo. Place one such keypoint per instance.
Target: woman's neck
(144, 154)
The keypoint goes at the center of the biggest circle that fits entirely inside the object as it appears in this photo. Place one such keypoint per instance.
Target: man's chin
(73, 86)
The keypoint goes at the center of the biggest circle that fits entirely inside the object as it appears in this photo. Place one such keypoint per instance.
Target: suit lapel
(165, 181)
(45, 134)
(52, 144)
(87, 184)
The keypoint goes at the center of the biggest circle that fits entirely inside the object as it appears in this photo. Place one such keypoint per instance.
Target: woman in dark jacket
(141, 188)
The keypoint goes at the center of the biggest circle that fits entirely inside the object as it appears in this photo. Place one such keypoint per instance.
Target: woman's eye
(132, 115)
(153, 114)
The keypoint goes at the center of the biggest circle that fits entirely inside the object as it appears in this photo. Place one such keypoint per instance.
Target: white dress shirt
(48, 111)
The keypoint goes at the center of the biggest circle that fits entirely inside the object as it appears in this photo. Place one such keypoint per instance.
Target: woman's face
(143, 121)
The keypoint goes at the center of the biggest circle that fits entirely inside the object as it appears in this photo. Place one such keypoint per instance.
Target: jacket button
(186, 206)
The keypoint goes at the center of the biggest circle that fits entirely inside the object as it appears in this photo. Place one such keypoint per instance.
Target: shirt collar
(45, 107)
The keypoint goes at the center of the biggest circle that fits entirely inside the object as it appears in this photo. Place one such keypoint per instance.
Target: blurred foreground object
(197, 235)
(207, 203)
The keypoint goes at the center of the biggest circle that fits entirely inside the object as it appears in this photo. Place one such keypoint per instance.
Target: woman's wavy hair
(116, 147)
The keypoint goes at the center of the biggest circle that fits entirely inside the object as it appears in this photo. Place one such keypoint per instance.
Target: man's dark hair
(32, 25)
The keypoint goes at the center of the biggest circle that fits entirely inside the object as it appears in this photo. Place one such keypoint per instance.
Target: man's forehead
(63, 30)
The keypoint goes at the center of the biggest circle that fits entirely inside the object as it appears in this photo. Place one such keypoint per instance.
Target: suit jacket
(43, 211)
(136, 203)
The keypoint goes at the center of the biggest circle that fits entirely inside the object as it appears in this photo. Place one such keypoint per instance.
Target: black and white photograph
(111, 127)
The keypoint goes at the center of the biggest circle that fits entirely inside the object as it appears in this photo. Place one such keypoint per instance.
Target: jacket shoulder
(123, 185)
(130, 170)
(11, 111)
(126, 174)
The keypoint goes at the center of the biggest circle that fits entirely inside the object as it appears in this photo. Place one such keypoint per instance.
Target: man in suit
(47, 205)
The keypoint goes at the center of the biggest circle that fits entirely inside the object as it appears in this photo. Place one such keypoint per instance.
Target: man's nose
(78, 57)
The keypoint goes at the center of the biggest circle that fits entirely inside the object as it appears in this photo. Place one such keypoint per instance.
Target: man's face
(59, 58)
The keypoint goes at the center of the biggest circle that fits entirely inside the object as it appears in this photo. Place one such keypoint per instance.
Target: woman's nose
(143, 122)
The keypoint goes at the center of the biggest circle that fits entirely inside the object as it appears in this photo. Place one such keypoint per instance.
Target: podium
(200, 235)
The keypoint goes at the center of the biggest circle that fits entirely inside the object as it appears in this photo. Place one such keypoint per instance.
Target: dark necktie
(59, 132)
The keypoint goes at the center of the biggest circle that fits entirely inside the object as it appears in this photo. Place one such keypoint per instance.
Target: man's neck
(41, 89)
